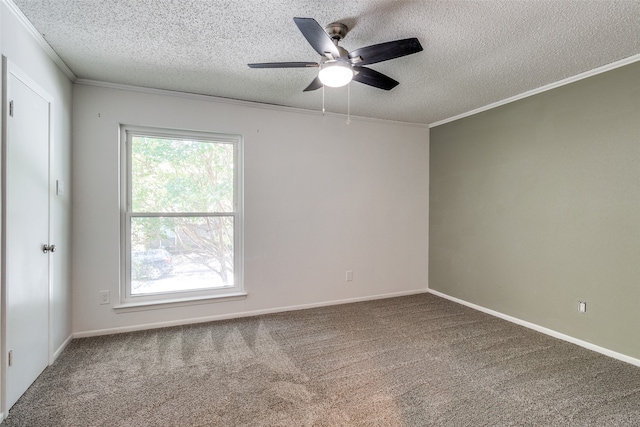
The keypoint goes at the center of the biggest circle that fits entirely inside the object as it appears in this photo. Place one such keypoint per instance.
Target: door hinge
(10, 358)
(10, 108)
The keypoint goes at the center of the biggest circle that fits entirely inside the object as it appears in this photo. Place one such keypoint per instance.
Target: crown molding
(24, 21)
(231, 101)
(568, 80)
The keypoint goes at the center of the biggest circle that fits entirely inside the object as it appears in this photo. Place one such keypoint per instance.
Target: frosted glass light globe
(335, 74)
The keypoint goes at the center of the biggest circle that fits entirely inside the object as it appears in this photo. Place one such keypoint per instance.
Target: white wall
(22, 49)
(2, 328)
(321, 197)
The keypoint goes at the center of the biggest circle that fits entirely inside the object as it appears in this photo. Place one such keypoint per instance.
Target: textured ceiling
(475, 52)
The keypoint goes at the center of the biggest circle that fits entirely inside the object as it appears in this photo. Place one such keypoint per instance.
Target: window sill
(126, 307)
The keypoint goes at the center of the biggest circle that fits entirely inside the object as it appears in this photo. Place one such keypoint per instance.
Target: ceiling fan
(338, 66)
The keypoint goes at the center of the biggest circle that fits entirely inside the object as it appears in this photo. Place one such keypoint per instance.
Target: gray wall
(535, 205)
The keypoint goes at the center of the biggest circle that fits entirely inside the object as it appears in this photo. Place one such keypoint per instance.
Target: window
(182, 222)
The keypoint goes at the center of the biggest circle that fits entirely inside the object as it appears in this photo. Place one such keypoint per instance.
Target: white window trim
(128, 302)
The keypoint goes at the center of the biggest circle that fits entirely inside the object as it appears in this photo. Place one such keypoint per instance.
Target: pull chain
(349, 103)
(323, 100)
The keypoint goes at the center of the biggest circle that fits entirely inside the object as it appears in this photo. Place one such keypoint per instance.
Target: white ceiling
(475, 52)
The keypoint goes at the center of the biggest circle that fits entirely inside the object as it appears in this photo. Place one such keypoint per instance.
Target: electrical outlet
(582, 307)
(105, 298)
(349, 276)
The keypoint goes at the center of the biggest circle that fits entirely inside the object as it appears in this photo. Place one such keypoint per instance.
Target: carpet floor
(411, 361)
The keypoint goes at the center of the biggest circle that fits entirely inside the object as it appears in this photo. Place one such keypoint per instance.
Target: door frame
(8, 67)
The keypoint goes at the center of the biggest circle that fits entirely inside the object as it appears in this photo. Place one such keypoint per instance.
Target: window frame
(129, 301)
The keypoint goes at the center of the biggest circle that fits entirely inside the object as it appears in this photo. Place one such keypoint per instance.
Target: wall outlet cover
(105, 298)
(582, 307)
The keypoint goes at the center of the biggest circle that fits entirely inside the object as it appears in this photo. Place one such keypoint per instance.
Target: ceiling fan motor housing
(344, 56)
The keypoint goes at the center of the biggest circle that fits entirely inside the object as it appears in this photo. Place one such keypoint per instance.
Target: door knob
(48, 248)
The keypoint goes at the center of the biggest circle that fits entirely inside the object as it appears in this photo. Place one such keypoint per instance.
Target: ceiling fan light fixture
(335, 73)
(338, 66)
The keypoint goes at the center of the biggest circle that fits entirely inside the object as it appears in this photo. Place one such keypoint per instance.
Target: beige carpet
(410, 361)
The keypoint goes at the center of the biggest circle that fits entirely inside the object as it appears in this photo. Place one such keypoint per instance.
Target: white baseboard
(546, 331)
(109, 331)
(61, 348)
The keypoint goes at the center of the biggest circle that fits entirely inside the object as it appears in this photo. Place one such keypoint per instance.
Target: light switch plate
(59, 187)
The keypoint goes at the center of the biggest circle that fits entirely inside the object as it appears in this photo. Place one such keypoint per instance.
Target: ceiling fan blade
(315, 84)
(374, 78)
(385, 51)
(283, 65)
(316, 36)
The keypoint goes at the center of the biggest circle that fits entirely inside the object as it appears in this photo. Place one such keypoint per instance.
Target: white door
(26, 230)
